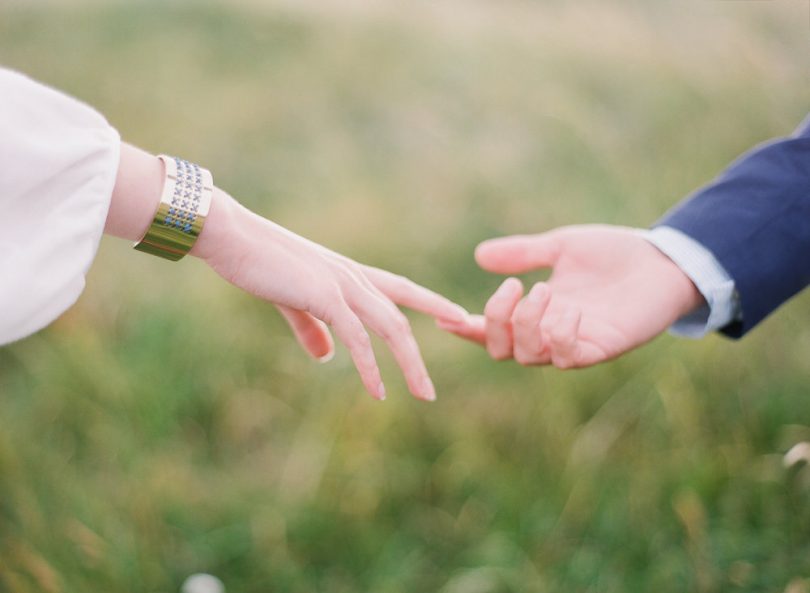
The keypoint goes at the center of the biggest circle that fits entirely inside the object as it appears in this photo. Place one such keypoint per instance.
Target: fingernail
(327, 357)
(537, 293)
(381, 391)
(428, 390)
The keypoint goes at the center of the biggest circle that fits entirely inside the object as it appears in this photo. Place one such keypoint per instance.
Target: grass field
(168, 424)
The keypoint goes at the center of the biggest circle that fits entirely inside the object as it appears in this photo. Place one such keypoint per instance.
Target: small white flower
(202, 583)
(798, 453)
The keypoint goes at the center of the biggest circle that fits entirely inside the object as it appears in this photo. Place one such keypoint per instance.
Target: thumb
(311, 333)
(518, 253)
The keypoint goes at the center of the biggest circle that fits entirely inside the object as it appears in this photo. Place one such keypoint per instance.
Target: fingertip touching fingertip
(455, 314)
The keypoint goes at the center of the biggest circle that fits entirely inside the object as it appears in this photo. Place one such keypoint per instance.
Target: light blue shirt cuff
(711, 279)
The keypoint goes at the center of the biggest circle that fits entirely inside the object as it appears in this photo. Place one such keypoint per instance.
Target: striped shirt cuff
(711, 279)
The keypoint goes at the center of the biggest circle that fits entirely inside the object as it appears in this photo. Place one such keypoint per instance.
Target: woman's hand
(610, 291)
(311, 285)
(315, 287)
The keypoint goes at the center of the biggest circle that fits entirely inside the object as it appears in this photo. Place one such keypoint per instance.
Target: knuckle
(401, 324)
(333, 305)
(529, 348)
(355, 334)
(563, 339)
(346, 273)
(548, 330)
(395, 326)
(360, 337)
(524, 319)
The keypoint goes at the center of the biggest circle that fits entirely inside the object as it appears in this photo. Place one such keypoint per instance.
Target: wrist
(220, 227)
(691, 298)
(684, 293)
(708, 276)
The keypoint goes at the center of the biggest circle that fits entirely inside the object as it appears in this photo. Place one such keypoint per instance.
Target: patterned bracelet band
(184, 205)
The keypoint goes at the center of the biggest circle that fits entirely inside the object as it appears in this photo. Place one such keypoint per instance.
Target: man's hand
(610, 291)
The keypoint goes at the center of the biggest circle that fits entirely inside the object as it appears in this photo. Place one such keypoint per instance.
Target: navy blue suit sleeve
(755, 219)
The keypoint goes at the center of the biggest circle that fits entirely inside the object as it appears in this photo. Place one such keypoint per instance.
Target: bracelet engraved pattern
(184, 205)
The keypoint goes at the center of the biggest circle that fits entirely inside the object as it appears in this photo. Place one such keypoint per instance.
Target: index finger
(517, 254)
(409, 294)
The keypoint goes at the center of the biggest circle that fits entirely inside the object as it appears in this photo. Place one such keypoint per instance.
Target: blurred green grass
(168, 424)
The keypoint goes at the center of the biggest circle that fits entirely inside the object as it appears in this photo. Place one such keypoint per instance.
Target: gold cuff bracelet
(184, 205)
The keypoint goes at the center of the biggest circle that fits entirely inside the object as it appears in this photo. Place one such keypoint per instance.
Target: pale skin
(610, 291)
(314, 288)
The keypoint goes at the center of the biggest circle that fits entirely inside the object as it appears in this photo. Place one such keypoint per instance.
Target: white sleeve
(58, 163)
(708, 275)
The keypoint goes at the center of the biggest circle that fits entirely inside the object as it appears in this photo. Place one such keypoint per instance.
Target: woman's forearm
(309, 283)
(135, 198)
(136, 194)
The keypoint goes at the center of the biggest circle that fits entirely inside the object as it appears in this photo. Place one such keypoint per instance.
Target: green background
(169, 424)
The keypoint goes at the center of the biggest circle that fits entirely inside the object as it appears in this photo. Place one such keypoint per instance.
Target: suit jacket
(755, 219)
